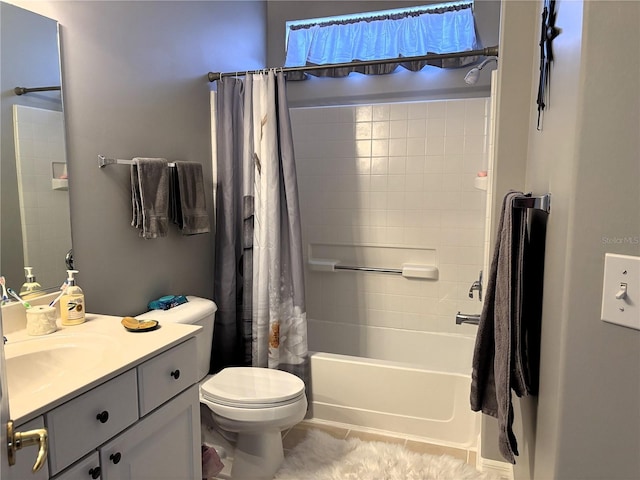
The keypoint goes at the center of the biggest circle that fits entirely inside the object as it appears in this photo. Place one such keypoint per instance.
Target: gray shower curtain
(259, 282)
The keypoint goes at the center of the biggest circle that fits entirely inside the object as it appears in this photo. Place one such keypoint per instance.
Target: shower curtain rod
(484, 52)
(23, 90)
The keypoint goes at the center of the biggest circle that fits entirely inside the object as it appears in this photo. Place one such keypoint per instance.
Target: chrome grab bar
(472, 318)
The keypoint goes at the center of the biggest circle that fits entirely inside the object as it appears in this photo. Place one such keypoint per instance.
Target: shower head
(472, 76)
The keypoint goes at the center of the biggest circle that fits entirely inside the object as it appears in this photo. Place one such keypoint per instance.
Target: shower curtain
(259, 283)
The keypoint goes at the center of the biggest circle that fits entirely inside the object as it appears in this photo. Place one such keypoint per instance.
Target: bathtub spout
(473, 318)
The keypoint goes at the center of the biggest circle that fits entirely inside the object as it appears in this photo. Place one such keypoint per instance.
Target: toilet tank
(197, 311)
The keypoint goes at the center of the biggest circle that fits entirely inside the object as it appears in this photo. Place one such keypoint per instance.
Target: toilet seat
(252, 388)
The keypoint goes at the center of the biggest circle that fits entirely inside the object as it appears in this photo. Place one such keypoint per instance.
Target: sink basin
(36, 364)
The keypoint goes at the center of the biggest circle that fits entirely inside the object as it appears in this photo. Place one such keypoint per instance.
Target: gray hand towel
(499, 361)
(188, 201)
(136, 221)
(150, 196)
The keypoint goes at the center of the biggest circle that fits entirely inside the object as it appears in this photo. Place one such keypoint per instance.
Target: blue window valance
(407, 34)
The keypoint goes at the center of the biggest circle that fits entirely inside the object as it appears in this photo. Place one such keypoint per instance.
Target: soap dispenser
(72, 302)
(30, 288)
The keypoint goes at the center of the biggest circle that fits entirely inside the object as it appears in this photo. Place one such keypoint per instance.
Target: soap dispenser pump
(30, 288)
(72, 310)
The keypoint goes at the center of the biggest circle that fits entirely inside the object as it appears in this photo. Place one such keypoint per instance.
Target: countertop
(107, 351)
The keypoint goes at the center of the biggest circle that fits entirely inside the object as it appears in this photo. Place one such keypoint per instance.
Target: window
(391, 34)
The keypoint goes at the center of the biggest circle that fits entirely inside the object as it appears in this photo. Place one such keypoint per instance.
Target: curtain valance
(384, 37)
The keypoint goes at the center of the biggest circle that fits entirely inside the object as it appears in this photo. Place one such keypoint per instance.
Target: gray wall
(29, 56)
(430, 83)
(135, 85)
(586, 421)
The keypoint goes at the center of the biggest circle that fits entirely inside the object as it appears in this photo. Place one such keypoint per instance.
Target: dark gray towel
(150, 196)
(499, 361)
(188, 201)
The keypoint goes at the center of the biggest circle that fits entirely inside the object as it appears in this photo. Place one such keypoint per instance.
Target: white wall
(399, 175)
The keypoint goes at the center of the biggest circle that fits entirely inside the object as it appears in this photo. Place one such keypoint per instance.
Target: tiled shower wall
(400, 175)
(39, 137)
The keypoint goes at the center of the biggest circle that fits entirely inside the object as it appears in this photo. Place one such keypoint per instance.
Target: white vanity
(117, 405)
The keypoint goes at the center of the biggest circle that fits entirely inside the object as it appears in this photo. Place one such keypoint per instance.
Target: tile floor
(295, 435)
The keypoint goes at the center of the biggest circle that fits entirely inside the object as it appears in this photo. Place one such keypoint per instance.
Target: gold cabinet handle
(18, 440)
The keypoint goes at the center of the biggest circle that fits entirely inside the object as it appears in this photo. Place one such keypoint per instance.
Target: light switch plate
(621, 290)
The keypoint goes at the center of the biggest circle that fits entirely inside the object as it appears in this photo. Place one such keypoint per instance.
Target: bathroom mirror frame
(36, 63)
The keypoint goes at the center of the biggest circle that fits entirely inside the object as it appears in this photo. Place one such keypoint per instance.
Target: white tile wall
(39, 140)
(394, 174)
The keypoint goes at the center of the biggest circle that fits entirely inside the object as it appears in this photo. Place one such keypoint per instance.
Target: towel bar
(104, 161)
(539, 203)
(394, 271)
(408, 270)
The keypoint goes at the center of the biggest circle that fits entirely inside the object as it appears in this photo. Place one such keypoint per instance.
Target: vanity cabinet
(142, 424)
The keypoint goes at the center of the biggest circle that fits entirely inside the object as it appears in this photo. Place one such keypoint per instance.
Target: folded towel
(499, 359)
(188, 203)
(150, 196)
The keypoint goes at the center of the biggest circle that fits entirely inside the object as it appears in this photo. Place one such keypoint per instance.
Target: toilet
(251, 404)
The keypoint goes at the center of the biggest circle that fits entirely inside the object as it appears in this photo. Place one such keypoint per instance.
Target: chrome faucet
(477, 285)
(472, 318)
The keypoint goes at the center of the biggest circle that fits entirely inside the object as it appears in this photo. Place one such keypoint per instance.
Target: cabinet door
(86, 469)
(163, 445)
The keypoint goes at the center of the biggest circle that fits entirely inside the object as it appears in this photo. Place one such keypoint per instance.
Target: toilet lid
(252, 386)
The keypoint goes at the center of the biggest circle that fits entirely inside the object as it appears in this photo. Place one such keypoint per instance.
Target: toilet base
(257, 456)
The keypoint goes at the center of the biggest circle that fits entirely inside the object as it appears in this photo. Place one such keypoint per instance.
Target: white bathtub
(428, 401)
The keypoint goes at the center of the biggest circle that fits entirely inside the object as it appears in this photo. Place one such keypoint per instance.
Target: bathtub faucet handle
(477, 285)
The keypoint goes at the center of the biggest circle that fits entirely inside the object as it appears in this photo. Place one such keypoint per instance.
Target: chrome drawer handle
(175, 374)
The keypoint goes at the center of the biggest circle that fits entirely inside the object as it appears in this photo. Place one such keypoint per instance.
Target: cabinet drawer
(81, 424)
(166, 375)
(86, 469)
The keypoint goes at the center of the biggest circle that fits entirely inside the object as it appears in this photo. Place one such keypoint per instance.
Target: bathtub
(427, 398)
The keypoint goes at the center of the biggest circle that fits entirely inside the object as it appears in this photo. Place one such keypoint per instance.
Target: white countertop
(116, 350)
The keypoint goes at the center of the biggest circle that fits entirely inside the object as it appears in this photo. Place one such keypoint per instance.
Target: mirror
(35, 228)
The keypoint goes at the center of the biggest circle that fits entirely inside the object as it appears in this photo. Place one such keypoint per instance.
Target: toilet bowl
(252, 405)
(257, 404)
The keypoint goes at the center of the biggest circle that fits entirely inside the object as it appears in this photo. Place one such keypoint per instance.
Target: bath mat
(322, 457)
